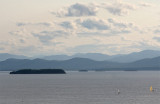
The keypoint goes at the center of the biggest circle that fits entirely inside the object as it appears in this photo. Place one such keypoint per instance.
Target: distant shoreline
(94, 70)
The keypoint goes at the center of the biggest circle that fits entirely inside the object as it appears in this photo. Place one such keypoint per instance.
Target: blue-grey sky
(45, 27)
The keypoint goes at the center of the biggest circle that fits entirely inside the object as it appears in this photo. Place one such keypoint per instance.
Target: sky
(47, 27)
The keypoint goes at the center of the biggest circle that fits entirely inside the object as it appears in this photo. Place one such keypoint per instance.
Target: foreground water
(81, 88)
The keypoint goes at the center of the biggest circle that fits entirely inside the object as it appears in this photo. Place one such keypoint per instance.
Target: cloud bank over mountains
(81, 27)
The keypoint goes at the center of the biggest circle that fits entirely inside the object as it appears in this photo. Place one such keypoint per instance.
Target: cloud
(119, 8)
(82, 34)
(145, 45)
(21, 24)
(47, 24)
(99, 48)
(68, 25)
(157, 31)
(118, 24)
(123, 25)
(1, 48)
(47, 36)
(27, 49)
(78, 10)
(108, 33)
(157, 39)
(87, 48)
(94, 24)
(29, 42)
(146, 4)
(102, 27)
(115, 32)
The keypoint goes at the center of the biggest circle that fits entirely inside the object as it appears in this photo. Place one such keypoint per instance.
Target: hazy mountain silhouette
(56, 57)
(122, 58)
(93, 56)
(136, 56)
(125, 58)
(4, 56)
(71, 64)
(79, 64)
(148, 62)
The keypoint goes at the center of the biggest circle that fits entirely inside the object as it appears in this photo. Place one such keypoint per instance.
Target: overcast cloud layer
(116, 27)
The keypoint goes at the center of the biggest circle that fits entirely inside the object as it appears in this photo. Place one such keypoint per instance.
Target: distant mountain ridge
(79, 64)
(121, 58)
(93, 56)
(136, 56)
(4, 56)
(71, 64)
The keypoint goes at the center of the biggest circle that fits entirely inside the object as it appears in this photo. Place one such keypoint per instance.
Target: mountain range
(121, 58)
(79, 64)
(4, 56)
(144, 60)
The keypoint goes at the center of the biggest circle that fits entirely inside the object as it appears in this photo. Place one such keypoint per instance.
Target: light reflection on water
(81, 88)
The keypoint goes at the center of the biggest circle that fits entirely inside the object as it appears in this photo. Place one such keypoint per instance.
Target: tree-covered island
(39, 71)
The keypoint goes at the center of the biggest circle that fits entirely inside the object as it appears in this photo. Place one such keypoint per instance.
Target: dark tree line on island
(39, 71)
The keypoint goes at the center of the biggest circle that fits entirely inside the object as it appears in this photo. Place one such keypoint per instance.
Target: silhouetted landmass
(76, 64)
(40, 71)
(130, 69)
(135, 56)
(121, 58)
(4, 56)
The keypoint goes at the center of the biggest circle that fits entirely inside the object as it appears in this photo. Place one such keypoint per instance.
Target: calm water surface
(81, 88)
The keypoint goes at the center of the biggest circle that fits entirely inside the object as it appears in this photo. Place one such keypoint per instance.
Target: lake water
(81, 88)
